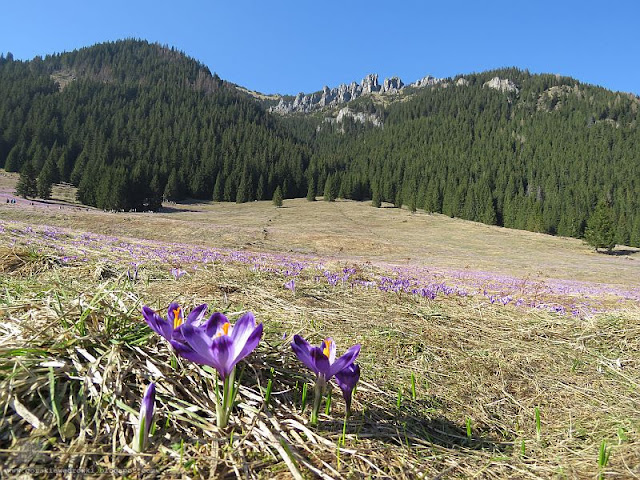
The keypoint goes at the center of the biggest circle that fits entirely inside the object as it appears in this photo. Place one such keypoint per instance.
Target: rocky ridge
(502, 84)
(305, 103)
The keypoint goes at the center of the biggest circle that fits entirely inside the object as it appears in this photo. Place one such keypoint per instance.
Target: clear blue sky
(300, 45)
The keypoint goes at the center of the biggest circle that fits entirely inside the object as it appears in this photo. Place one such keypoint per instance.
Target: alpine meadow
(436, 279)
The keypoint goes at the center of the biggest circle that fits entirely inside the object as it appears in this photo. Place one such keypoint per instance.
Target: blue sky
(290, 46)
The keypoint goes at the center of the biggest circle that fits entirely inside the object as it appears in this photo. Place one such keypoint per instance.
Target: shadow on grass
(176, 210)
(405, 426)
(622, 252)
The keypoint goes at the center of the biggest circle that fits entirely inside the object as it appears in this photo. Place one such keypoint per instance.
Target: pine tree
(172, 189)
(277, 197)
(217, 189)
(154, 194)
(27, 185)
(46, 179)
(600, 232)
(375, 200)
(311, 190)
(260, 190)
(330, 189)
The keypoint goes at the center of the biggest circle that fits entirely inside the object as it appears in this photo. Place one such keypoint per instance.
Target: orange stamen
(327, 348)
(177, 321)
(225, 329)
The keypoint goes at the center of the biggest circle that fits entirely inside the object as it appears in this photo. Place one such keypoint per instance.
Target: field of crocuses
(554, 295)
(132, 357)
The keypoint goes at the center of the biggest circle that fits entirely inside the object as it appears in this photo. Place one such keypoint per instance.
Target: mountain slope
(131, 123)
(536, 152)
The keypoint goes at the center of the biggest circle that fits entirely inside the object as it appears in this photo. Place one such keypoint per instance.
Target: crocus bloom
(217, 343)
(322, 360)
(146, 417)
(177, 273)
(291, 285)
(175, 318)
(347, 380)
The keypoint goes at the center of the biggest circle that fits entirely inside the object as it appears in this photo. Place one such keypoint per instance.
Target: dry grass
(352, 231)
(75, 355)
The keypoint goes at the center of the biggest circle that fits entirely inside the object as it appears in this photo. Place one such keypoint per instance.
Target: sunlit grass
(453, 385)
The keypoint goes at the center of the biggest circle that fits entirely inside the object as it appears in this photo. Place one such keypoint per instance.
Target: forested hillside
(131, 122)
(539, 159)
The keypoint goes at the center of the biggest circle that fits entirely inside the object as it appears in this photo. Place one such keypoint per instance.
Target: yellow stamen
(225, 329)
(177, 321)
(327, 348)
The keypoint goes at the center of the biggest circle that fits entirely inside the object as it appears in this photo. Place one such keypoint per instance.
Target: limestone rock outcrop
(330, 97)
(502, 84)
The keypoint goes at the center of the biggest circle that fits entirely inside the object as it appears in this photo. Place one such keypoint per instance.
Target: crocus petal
(197, 314)
(145, 417)
(185, 351)
(329, 348)
(157, 323)
(242, 350)
(302, 349)
(214, 323)
(344, 361)
(147, 407)
(347, 380)
(323, 367)
(241, 331)
(221, 355)
(195, 337)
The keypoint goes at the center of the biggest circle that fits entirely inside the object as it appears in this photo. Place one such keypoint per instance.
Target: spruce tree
(217, 189)
(330, 189)
(311, 190)
(260, 190)
(27, 185)
(154, 194)
(277, 197)
(375, 201)
(600, 232)
(172, 189)
(46, 179)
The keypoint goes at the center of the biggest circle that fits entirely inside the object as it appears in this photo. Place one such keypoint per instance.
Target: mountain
(345, 93)
(130, 122)
(505, 147)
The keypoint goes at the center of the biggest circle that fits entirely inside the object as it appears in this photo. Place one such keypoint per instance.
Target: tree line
(132, 123)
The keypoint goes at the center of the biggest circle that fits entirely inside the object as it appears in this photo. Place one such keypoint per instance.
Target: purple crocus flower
(291, 285)
(216, 342)
(146, 416)
(322, 360)
(175, 318)
(347, 380)
(177, 273)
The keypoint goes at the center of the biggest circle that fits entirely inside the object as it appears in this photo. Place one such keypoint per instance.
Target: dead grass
(351, 231)
(73, 342)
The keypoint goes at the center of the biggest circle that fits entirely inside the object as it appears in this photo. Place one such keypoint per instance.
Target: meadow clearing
(486, 352)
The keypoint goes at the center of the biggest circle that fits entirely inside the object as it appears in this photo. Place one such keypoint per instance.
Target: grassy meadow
(486, 352)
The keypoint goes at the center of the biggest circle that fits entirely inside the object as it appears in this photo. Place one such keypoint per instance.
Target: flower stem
(317, 399)
(228, 396)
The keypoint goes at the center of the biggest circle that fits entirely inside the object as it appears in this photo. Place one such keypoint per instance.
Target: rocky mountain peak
(330, 97)
(502, 84)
